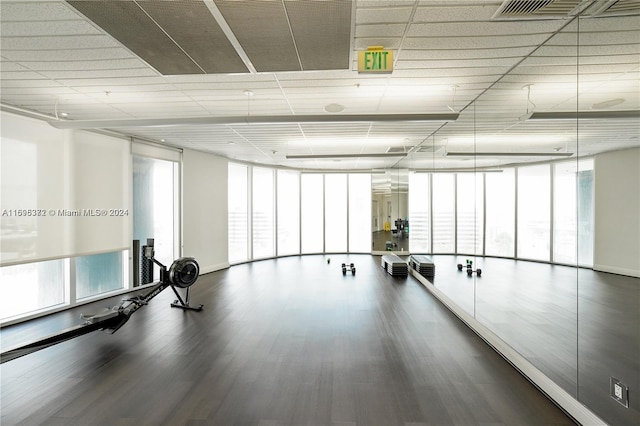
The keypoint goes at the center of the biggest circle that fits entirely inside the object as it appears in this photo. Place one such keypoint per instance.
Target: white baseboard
(212, 268)
(615, 270)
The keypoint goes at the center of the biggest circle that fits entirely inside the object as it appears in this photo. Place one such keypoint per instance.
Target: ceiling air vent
(536, 9)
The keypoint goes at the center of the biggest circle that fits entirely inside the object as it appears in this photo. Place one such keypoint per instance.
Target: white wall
(204, 220)
(617, 212)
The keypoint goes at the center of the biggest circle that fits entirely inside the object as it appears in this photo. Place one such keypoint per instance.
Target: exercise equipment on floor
(182, 273)
(469, 268)
(351, 267)
(394, 265)
(424, 265)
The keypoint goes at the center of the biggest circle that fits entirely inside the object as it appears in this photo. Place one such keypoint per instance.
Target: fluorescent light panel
(257, 119)
(509, 154)
(324, 156)
(458, 171)
(584, 115)
(345, 172)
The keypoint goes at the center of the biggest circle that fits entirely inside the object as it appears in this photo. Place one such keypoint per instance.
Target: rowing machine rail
(183, 273)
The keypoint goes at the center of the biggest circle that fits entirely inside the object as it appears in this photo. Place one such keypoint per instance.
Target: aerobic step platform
(423, 264)
(394, 265)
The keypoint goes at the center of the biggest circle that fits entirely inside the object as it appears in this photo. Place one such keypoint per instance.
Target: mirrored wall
(390, 210)
(522, 188)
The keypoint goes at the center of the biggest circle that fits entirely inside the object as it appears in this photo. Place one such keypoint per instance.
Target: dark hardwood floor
(285, 341)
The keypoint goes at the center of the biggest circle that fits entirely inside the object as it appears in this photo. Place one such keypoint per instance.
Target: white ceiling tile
(53, 58)
(460, 63)
(611, 24)
(58, 43)
(489, 54)
(380, 30)
(464, 42)
(452, 12)
(81, 82)
(388, 14)
(382, 4)
(113, 64)
(68, 54)
(12, 11)
(482, 29)
(98, 74)
(21, 75)
(8, 66)
(36, 92)
(48, 28)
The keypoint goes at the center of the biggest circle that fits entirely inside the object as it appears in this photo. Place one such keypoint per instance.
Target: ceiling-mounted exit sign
(375, 60)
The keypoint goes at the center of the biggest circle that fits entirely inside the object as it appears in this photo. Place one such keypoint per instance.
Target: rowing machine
(183, 273)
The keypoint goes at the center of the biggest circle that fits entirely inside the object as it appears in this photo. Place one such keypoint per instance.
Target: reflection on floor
(284, 341)
(578, 326)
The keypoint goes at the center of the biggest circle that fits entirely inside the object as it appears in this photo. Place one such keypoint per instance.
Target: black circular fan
(184, 272)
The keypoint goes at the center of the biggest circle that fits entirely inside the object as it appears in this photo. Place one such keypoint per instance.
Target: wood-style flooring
(289, 341)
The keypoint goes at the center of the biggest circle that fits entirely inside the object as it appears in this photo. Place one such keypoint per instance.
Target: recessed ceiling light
(248, 93)
(333, 108)
(64, 114)
(231, 143)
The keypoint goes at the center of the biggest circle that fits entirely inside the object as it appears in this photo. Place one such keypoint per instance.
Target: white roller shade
(64, 192)
(152, 151)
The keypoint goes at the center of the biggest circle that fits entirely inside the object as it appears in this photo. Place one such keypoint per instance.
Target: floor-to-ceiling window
(444, 213)
(500, 192)
(154, 206)
(274, 212)
(31, 287)
(100, 273)
(263, 213)
(65, 216)
(360, 213)
(534, 212)
(564, 212)
(469, 212)
(573, 212)
(419, 211)
(238, 201)
(335, 213)
(288, 208)
(585, 205)
(312, 213)
(278, 212)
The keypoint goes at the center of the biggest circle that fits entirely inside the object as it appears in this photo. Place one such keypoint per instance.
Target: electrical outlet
(619, 392)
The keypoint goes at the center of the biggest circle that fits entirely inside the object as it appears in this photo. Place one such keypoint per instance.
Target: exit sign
(375, 60)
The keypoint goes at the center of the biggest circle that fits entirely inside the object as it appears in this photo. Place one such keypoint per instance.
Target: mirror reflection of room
(390, 213)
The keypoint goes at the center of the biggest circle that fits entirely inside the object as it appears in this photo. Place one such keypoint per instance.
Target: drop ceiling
(128, 63)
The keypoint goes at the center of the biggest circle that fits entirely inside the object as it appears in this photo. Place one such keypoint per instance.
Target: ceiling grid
(143, 59)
